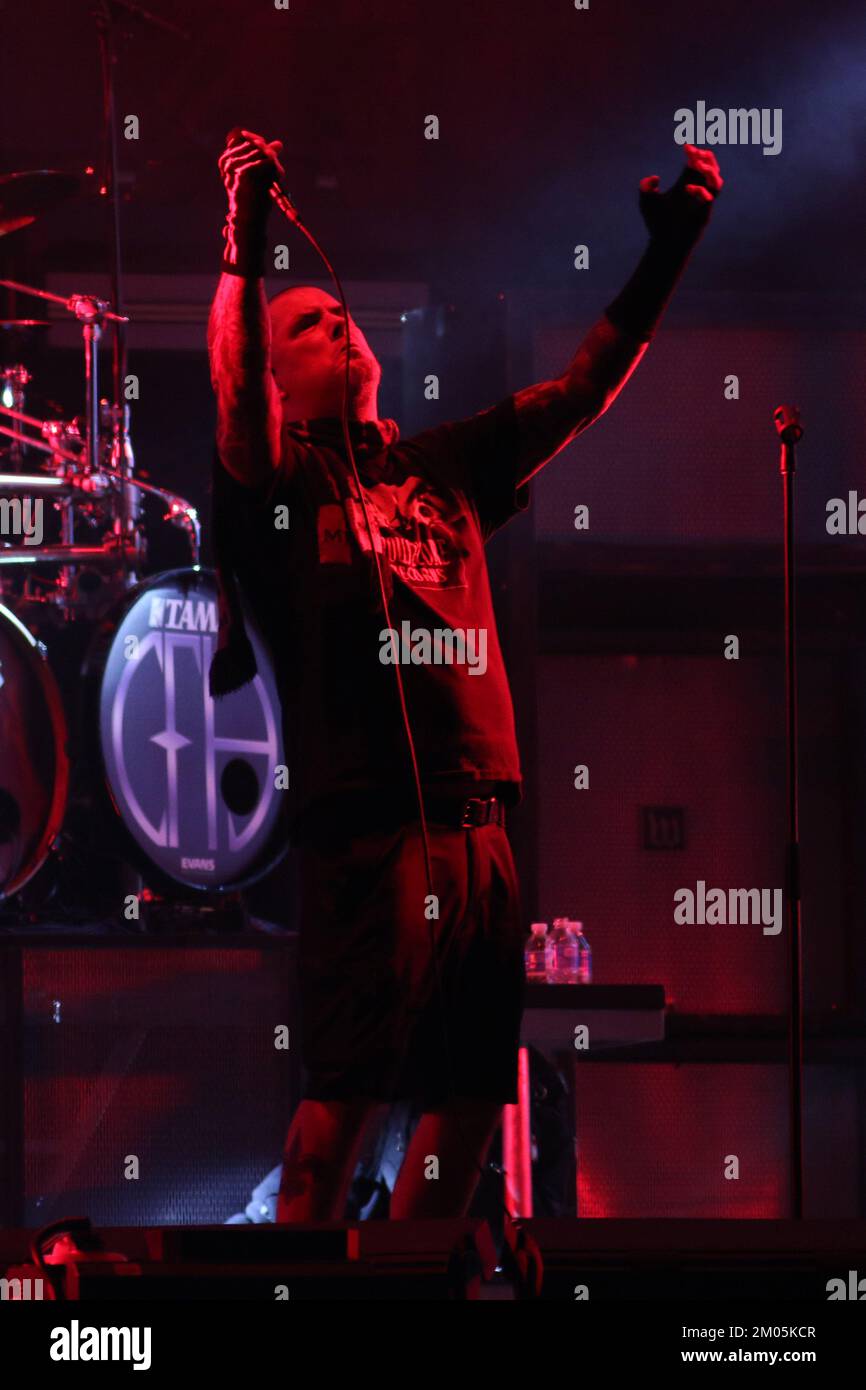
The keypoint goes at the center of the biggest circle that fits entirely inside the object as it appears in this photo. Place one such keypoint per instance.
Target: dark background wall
(548, 117)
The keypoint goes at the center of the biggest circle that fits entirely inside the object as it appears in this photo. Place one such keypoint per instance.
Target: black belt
(465, 813)
(379, 811)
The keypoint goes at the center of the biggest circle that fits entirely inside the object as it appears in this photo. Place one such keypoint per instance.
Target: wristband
(244, 250)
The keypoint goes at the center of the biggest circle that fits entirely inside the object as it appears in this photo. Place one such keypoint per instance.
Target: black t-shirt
(433, 501)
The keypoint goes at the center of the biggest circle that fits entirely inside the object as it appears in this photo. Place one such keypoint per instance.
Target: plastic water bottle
(563, 953)
(535, 954)
(584, 956)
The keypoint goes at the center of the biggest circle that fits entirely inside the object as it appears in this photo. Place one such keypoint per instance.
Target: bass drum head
(34, 769)
(191, 779)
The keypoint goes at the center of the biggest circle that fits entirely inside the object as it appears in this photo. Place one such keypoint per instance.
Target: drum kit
(116, 767)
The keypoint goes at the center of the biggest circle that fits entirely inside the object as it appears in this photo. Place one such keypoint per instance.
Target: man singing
(401, 997)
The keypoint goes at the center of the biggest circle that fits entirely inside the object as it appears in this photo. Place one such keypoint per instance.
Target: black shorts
(374, 1023)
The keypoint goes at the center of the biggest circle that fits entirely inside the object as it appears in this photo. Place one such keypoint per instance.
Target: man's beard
(363, 376)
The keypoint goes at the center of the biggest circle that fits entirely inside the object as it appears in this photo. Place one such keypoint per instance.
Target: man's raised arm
(239, 329)
(552, 413)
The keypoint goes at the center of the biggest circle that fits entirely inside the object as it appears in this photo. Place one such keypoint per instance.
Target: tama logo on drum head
(192, 779)
(183, 614)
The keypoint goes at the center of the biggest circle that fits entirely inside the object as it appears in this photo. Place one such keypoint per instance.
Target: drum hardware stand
(51, 430)
(105, 13)
(14, 381)
(85, 473)
(220, 912)
(790, 432)
(91, 314)
(128, 523)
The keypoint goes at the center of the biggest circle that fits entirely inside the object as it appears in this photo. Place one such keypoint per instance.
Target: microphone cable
(287, 207)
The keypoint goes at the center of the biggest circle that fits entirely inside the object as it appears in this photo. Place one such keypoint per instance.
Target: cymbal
(25, 323)
(27, 195)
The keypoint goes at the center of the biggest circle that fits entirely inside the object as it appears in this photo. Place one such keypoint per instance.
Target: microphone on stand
(787, 422)
(790, 432)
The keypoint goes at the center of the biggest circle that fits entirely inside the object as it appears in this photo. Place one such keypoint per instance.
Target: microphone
(279, 194)
(787, 421)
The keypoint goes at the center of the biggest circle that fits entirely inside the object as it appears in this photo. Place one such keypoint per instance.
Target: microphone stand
(790, 432)
(122, 458)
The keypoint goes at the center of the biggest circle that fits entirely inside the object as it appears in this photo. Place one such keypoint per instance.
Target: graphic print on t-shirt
(415, 528)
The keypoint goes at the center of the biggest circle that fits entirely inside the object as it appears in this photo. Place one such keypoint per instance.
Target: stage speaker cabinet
(710, 1140)
(679, 461)
(144, 1082)
(685, 764)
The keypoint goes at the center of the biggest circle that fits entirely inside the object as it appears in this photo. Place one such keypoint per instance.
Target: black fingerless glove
(675, 220)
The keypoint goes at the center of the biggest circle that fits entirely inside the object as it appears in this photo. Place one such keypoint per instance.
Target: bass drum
(192, 781)
(34, 767)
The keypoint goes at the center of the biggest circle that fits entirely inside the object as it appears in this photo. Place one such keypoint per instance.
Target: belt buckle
(490, 804)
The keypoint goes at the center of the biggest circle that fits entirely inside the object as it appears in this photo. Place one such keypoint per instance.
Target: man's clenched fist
(681, 213)
(248, 166)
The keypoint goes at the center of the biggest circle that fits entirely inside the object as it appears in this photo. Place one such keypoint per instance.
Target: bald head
(308, 357)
